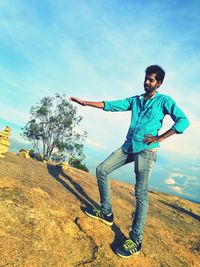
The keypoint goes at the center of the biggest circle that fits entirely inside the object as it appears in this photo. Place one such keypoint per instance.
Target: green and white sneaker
(128, 248)
(97, 214)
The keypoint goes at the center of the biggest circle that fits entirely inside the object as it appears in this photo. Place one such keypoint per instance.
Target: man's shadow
(182, 210)
(77, 190)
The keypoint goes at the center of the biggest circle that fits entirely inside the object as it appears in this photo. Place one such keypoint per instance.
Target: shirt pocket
(150, 113)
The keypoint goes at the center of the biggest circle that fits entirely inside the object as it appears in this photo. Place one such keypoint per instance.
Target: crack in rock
(95, 247)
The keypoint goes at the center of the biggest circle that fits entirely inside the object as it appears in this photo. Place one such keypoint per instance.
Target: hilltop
(42, 221)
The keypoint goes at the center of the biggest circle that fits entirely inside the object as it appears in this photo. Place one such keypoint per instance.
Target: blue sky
(98, 50)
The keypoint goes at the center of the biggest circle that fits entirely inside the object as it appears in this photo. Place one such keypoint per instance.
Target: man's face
(150, 83)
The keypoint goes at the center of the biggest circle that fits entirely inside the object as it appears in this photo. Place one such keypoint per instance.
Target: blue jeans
(144, 161)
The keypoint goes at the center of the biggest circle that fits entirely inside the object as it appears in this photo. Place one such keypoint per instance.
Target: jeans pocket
(145, 160)
(151, 155)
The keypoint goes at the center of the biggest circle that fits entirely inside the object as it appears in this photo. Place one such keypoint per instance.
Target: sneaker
(128, 248)
(97, 214)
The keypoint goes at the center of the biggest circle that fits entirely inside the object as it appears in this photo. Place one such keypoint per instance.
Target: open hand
(149, 139)
(77, 100)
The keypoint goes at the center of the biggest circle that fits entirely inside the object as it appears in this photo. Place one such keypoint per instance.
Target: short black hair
(160, 73)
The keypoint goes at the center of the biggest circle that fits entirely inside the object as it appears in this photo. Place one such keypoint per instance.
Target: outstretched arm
(87, 103)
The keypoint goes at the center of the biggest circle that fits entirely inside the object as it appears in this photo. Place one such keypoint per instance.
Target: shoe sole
(122, 256)
(97, 218)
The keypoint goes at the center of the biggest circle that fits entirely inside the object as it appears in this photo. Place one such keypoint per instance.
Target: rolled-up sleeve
(177, 115)
(119, 105)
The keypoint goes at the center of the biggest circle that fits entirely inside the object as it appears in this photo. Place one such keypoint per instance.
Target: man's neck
(149, 95)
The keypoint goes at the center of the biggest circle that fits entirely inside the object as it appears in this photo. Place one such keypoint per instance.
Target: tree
(52, 129)
(77, 163)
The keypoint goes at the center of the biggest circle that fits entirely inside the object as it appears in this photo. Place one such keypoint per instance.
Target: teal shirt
(147, 118)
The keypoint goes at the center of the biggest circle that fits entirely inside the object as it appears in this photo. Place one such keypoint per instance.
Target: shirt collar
(142, 96)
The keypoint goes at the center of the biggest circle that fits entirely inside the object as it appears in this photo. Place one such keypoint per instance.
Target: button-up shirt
(147, 118)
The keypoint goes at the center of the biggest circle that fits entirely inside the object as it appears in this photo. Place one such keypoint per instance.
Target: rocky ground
(42, 222)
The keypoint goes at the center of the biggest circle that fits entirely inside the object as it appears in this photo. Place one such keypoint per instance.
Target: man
(142, 140)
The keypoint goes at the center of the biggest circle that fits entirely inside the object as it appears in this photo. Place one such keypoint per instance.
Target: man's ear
(159, 84)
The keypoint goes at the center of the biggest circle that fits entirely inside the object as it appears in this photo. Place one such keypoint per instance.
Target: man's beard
(149, 89)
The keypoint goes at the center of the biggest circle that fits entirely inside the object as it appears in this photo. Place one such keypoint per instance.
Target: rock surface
(42, 221)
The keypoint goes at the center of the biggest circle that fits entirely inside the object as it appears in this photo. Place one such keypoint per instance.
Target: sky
(98, 50)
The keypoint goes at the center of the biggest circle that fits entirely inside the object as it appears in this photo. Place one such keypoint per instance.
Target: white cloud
(176, 174)
(170, 181)
(194, 167)
(14, 115)
(182, 183)
(176, 189)
(176, 169)
(187, 178)
(92, 143)
(186, 145)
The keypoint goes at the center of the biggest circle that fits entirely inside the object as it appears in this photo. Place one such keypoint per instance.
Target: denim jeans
(143, 162)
